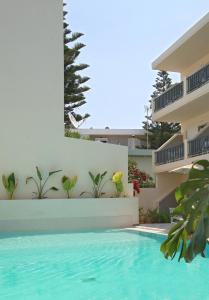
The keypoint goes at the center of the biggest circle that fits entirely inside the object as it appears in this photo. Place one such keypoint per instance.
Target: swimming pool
(100, 265)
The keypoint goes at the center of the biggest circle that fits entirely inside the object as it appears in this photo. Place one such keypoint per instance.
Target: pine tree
(74, 87)
(159, 132)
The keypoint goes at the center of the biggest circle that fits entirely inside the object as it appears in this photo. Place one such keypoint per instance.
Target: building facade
(186, 102)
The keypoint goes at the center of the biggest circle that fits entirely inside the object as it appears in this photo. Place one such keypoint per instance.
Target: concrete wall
(31, 99)
(54, 215)
(190, 127)
(165, 184)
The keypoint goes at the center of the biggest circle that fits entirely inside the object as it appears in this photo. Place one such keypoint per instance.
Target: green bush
(153, 216)
(76, 135)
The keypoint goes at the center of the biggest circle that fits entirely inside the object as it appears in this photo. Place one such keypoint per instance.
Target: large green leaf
(190, 235)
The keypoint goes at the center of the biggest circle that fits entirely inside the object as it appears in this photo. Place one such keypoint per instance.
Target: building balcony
(183, 100)
(198, 146)
(171, 95)
(169, 155)
(198, 79)
(178, 152)
(171, 151)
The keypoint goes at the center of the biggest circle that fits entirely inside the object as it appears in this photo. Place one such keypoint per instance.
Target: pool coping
(161, 229)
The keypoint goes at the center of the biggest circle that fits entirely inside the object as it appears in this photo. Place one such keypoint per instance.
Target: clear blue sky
(122, 39)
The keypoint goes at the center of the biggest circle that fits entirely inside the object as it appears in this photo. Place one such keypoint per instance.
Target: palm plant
(40, 183)
(98, 184)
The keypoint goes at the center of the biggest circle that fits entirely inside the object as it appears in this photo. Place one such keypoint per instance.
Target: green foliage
(160, 132)
(157, 217)
(68, 184)
(40, 183)
(10, 185)
(153, 216)
(117, 181)
(76, 135)
(72, 134)
(97, 184)
(74, 87)
(191, 234)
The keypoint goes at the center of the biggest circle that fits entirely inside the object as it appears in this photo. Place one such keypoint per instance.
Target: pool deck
(152, 228)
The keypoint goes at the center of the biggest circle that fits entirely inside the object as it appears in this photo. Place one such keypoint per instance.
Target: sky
(122, 38)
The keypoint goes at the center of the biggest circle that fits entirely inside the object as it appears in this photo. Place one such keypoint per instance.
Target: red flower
(136, 186)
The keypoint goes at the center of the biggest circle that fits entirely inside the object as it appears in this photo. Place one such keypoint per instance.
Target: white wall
(31, 99)
(149, 198)
(41, 215)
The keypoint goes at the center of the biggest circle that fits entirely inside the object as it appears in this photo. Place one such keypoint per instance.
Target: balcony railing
(169, 155)
(171, 95)
(198, 79)
(199, 146)
(176, 92)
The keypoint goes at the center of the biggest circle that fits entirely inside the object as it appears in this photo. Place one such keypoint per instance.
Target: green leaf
(66, 185)
(53, 188)
(4, 180)
(103, 174)
(38, 174)
(193, 198)
(92, 177)
(64, 178)
(97, 179)
(11, 182)
(178, 194)
(53, 172)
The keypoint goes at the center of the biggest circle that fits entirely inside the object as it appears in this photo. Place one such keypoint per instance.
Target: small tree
(74, 87)
(159, 132)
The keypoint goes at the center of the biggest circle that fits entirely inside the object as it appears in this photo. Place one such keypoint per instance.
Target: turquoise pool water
(103, 265)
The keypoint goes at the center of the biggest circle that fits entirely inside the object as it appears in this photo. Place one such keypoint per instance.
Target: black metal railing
(168, 155)
(198, 146)
(171, 95)
(198, 79)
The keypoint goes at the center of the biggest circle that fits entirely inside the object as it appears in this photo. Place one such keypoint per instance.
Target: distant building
(134, 139)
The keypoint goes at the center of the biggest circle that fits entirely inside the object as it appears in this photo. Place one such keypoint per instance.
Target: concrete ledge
(67, 214)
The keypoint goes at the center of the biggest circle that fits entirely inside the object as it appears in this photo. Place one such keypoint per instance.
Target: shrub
(134, 174)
